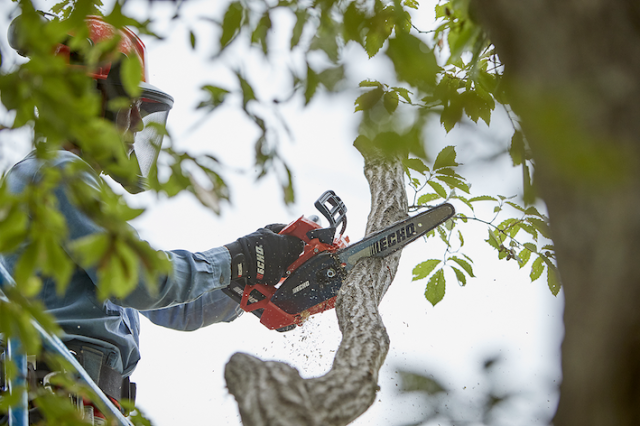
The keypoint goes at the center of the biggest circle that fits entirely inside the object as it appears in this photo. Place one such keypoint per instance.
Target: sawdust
(310, 348)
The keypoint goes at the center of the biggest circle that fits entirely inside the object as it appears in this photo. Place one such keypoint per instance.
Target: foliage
(522, 236)
(450, 72)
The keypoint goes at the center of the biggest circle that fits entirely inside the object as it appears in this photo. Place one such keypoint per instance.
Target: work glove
(263, 256)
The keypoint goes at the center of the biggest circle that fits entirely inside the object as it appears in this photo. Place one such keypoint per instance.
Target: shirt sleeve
(195, 280)
(211, 308)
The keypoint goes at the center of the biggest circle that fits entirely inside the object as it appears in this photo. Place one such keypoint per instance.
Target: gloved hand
(263, 256)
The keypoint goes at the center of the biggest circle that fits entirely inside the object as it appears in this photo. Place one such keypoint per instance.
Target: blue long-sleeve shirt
(187, 299)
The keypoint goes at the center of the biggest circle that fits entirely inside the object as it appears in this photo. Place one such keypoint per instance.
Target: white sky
(500, 313)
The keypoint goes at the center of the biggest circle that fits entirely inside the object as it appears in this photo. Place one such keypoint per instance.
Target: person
(103, 334)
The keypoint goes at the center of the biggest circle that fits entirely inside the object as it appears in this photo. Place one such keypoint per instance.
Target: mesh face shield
(154, 110)
(154, 106)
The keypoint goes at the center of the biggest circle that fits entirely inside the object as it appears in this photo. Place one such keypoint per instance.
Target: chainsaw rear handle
(257, 298)
(300, 228)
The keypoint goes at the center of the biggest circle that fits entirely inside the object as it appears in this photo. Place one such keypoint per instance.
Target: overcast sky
(498, 314)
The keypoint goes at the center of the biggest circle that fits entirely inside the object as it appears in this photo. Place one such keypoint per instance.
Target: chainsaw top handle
(316, 238)
(333, 209)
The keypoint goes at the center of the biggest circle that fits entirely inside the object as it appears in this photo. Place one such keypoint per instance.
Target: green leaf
(327, 43)
(353, 24)
(449, 172)
(231, 23)
(370, 83)
(287, 187)
(462, 279)
(363, 144)
(368, 99)
(390, 101)
(540, 225)
(516, 150)
(493, 240)
(31, 287)
(510, 226)
(443, 235)
(516, 206)
(413, 60)
(192, 39)
(552, 281)
(403, 92)
(217, 96)
(378, 30)
(129, 260)
(454, 183)
(438, 188)
(436, 288)
(482, 198)
(27, 263)
(477, 106)
(532, 211)
(461, 38)
(423, 269)
(449, 224)
(87, 251)
(57, 264)
(13, 228)
(442, 10)
(301, 20)
(464, 264)
(523, 257)
(247, 91)
(446, 158)
(531, 247)
(413, 4)
(416, 164)
(312, 85)
(537, 268)
(331, 76)
(464, 200)
(259, 35)
(529, 229)
(426, 198)
(411, 382)
(451, 113)
(131, 74)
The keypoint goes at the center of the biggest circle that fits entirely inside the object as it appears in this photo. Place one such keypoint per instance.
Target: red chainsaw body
(272, 316)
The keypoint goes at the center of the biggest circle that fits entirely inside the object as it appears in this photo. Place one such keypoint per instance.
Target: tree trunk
(273, 393)
(572, 70)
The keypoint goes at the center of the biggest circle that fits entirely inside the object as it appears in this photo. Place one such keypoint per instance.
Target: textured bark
(573, 72)
(273, 393)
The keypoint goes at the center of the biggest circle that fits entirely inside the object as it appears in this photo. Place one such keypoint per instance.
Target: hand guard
(263, 256)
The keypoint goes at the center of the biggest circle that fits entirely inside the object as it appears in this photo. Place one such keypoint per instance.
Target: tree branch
(273, 393)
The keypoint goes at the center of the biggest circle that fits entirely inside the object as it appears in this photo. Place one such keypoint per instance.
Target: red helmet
(129, 45)
(154, 103)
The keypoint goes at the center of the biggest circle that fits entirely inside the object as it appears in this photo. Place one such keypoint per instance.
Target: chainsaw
(311, 283)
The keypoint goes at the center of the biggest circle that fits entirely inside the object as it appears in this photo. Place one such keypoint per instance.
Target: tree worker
(103, 334)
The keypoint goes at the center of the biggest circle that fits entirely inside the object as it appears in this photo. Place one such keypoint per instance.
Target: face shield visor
(145, 126)
(154, 110)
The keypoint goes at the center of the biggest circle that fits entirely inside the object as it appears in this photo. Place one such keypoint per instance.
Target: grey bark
(573, 72)
(273, 393)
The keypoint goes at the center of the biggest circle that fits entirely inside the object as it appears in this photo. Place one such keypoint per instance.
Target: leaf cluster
(440, 183)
